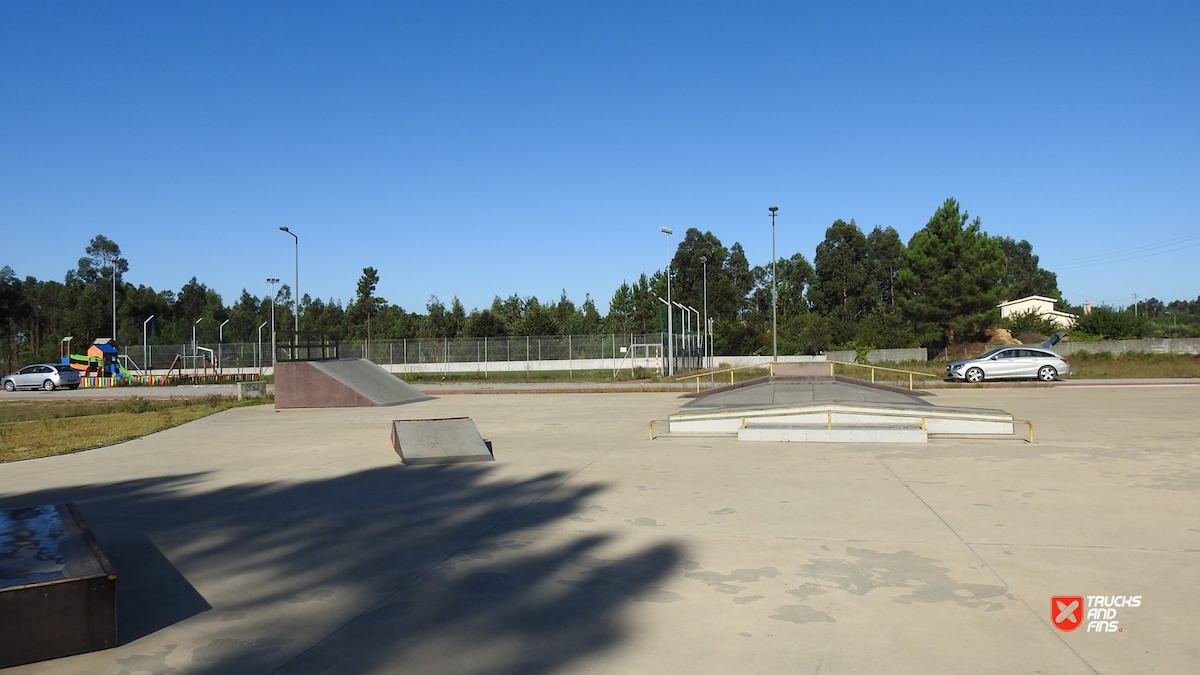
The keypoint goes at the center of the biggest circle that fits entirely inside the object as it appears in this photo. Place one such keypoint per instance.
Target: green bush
(1105, 323)
(1029, 322)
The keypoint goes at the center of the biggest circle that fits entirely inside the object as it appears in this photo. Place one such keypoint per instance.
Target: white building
(1039, 304)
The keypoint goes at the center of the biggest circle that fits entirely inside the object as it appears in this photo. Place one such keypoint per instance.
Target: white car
(48, 376)
(1018, 362)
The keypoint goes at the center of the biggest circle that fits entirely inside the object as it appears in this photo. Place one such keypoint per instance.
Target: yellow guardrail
(832, 364)
(911, 373)
(710, 373)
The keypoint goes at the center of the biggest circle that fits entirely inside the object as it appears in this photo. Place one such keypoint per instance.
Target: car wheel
(1047, 374)
(974, 375)
(9, 386)
(48, 385)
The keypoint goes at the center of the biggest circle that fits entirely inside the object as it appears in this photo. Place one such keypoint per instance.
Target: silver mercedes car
(1017, 362)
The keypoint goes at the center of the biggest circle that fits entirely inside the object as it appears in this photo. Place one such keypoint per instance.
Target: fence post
(570, 364)
(485, 370)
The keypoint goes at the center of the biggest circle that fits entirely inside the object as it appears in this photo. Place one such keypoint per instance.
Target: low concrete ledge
(845, 434)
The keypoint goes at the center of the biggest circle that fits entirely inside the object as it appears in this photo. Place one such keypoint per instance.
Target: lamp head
(703, 259)
(284, 228)
(667, 230)
(773, 209)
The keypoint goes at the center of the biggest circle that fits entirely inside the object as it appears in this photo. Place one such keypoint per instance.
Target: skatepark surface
(257, 541)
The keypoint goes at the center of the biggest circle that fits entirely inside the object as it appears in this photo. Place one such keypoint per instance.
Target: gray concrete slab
(257, 541)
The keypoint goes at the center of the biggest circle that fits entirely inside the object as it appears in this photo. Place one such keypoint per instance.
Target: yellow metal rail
(911, 373)
(710, 373)
(832, 364)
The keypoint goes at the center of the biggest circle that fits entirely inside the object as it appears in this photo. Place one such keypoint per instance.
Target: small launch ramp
(340, 383)
(439, 441)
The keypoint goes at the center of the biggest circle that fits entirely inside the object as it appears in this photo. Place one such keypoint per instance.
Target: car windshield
(992, 353)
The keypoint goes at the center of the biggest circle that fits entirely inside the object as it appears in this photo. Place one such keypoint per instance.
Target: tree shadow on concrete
(384, 570)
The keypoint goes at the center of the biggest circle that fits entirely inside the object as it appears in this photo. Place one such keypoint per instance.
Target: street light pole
(273, 281)
(670, 313)
(707, 335)
(296, 291)
(195, 346)
(260, 366)
(113, 261)
(774, 292)
(145, 343)
(220, 342)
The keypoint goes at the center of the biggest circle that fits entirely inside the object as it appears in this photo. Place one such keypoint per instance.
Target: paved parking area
(256, 541)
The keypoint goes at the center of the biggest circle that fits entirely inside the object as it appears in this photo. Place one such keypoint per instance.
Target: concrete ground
(256, 541)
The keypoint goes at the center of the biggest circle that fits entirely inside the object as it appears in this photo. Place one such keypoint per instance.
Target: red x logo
(1066, 611)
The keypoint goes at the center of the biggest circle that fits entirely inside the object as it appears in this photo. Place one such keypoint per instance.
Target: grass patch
(41, 428)
(1133, 365)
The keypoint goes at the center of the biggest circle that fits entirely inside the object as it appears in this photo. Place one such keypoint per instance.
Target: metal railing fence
(612, 348)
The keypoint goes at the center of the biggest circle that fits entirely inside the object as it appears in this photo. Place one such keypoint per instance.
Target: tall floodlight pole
(273, 281)
(670, 313)
(145, 343)
(707, 336)
(296, 291)
(113, 261)
(774, 292)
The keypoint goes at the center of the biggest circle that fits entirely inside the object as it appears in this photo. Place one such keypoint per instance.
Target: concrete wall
(882, 355)
(1149, 345)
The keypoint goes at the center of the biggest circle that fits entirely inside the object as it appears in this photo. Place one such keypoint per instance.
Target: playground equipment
(101, 360)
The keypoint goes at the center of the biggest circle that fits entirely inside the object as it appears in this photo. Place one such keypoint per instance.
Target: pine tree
(951, 280)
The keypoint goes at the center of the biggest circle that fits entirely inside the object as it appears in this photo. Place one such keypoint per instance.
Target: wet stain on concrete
(644, 522)
(231, 649)
(690, 565)
(927, 581)
(745, 600)
(653, 594)
(722, 512)
(581, 519)
(722, 583)
(317, 596)
(801, 614)
(149, 664)
(807, 591)
(597, 507)
(487, 582)
(234, 616)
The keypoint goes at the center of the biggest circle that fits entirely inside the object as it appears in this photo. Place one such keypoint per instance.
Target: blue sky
(482, 149)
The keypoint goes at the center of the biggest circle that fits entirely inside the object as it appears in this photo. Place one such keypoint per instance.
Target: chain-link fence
(479, 354)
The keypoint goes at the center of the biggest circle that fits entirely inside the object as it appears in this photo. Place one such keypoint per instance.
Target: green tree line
(860, 290)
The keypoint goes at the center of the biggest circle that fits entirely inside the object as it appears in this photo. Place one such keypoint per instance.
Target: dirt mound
(978, 345)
